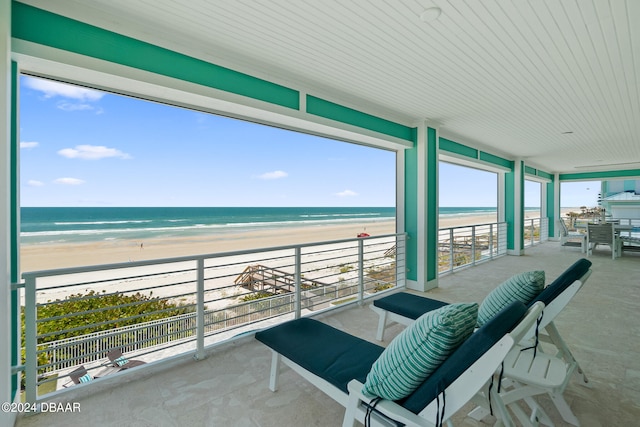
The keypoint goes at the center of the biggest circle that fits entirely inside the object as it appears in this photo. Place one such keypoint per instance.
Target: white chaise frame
(458, 393)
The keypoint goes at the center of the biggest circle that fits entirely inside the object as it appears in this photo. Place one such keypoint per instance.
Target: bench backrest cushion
(555, 288)
(418, 351)
(464, 356)
(523, 287)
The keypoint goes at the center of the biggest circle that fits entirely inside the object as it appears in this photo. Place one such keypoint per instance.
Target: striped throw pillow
(414, 354)
(523, 287)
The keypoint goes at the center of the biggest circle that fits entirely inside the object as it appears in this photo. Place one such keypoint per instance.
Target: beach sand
(61, 255)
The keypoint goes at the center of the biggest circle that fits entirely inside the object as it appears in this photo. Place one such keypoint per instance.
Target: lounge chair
(531, 373)
(117, 360)
(404, 307)
(629, 243)
(519, 366)
(572, 238)
(79, 376)
(338, 364)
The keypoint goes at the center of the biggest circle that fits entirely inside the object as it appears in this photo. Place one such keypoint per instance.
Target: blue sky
(82, 147)
(86, 148)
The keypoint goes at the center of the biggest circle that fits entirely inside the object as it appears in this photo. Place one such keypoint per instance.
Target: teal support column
(432, 209)
(514, 208)
(410, 208)
(509, 211)
(553, 210)
(421, 209)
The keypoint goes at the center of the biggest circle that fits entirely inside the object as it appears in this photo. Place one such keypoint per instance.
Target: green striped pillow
(414, 354)
(523, 287)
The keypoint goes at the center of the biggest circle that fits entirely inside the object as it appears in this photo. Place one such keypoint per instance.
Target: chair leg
(382, 323)
(563, 408)
(565, 353)
(275, 371)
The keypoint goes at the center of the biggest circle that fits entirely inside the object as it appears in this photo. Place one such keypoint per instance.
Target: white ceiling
(508, 76)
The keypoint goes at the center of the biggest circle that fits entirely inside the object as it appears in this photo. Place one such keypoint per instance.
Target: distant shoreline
(44, 256)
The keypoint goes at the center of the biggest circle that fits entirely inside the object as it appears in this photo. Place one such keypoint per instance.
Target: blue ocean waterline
(81, 224)
(85, 224)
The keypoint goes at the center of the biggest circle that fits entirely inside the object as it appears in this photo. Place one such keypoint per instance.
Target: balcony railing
(160, 308)
(468, 245)
(536, 230)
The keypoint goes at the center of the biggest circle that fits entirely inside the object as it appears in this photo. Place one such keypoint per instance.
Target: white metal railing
(182, 305)
(468, 245)
(536, 230)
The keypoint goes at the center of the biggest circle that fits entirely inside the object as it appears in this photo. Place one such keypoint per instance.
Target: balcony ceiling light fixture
(431, 14)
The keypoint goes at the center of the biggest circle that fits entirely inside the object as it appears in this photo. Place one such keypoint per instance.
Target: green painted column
(553, 210)
(514, 208)
(432, 209)
(411, 213)
(421, 209)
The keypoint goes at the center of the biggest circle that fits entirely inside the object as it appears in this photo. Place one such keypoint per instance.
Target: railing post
(533, 237)
(360, 271)
(298, 279)
(400, 261)
(451, 254)
(490, 241)
(473, 245)
(30, 341)
(200, 310)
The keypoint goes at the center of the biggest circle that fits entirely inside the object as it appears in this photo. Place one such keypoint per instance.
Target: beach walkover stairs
(260, 278)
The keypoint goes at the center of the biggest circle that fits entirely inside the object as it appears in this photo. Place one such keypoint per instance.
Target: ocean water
(86, 224)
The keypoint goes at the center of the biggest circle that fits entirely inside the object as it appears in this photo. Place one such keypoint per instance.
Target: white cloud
(346, 193)
(52, 89)
(35, 183)
(32, 144)
(92, 152)
(70, 106)
(69, 181)
(274, 175)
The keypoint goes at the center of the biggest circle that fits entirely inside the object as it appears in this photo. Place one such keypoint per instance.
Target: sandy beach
(50, 256)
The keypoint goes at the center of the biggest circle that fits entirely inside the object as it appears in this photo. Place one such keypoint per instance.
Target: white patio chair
(572, 238)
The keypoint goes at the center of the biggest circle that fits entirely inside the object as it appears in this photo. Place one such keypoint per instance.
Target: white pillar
(6, 419)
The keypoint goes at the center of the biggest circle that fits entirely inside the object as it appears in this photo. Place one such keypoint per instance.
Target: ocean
(87, 224)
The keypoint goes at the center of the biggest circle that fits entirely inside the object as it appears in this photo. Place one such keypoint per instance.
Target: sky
(83, 147)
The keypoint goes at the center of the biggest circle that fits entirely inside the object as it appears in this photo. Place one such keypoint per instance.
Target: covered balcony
(530, 91)
(229, 386)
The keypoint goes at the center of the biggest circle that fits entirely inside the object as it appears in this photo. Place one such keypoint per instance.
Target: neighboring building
(621, 199)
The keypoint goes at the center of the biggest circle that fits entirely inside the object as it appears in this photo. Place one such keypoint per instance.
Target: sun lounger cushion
(322, 350)
(418, 351)
(85, 378)
(573, 273)
(464, 356)
(523, 287)
(408, 305)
